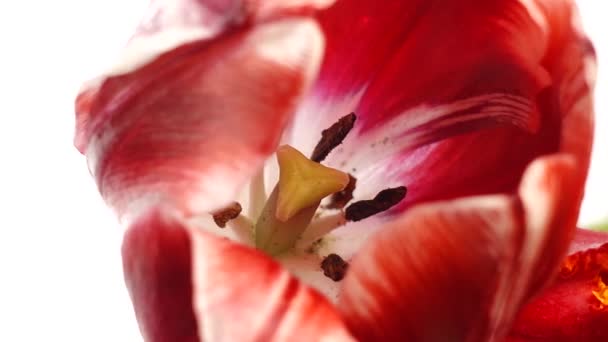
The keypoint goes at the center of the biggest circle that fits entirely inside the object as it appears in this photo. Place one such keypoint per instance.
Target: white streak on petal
(424, 125)
(316, 113)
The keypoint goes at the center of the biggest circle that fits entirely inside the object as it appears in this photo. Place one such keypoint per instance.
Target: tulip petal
(404, 69)
(190, 128)
(517, 83)
(570, 59)
(157, 265)
(587, 239)
(188, 285)
(417, 281)
(570, 309)
(460, 270)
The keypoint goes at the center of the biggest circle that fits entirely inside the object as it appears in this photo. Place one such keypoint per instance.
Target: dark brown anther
(333, 136)
(222, 217)
(383, 201)
(341, 198)
(334, 267)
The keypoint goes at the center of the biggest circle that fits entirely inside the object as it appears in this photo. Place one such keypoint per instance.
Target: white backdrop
(60, 268)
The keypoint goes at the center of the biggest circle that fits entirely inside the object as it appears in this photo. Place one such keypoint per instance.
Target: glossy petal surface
(460, 270)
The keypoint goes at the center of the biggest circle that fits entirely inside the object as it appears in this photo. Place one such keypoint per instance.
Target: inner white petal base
(328, 232)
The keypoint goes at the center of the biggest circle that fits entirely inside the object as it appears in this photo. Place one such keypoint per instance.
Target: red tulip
(480, 111)
(575, 306)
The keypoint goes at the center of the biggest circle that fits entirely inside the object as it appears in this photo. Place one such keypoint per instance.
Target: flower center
(290, 213)
(294, 201)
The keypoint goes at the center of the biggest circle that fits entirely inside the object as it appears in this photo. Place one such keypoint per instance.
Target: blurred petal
(570, 59)
(574, 307)
(187, 285)
(169, 24)
(157, 265)
(460, 270)
(587, 239)
(264, 9)
(551, 192)
(190, 128)
(417, 281)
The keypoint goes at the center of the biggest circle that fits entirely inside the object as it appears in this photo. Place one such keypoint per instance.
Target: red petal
(187, 285)
(531, 66)
(403, 67)
(460, 270)
(217, 16)
(568, 310)
(570, 59)
(433, 274)
(190, 128)
(157, 265)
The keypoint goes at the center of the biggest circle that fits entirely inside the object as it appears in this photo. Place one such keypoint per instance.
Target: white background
(60, 268)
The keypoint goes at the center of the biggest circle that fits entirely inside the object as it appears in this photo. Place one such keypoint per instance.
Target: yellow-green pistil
(291, 206)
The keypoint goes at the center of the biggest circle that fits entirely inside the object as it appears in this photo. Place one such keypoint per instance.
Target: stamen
(383, 201)
(341, 198)
(334, 267)
(222, 216)
(333, 136)
(321, 227)
(601, 292)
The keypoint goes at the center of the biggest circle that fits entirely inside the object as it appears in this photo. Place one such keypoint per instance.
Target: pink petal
(587, 239)
(460, 270)
(567, 310)
(187, 285)
(190, 128)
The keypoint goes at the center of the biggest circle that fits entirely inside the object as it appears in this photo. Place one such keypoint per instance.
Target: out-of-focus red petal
(570, 59)
(460, 270)
(157, 264)
(568, 310)
(190, 128)
(187, 285)
(434, 274)
(586, 239)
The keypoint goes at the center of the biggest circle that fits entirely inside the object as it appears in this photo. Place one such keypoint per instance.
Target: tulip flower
(317, 170)
(575, 306)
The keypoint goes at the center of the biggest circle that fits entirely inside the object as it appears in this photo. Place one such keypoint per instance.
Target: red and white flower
(483, 110)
